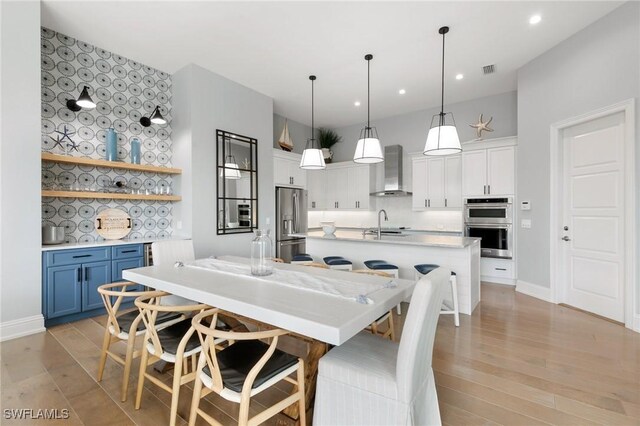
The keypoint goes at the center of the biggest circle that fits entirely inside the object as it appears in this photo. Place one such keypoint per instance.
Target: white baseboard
(533, 290)
(636, 323)
(496, 280)
(21, 327)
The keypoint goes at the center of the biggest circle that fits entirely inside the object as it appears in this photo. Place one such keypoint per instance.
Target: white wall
(410, 130)
(597, 67)
(203, 102)
(20, 235)
(299, 132)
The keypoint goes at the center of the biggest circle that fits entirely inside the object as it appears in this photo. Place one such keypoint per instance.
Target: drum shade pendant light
(84, 101)
(443, 135)
(231, 169)
(312, 157)
(368, 149)
(155, 118)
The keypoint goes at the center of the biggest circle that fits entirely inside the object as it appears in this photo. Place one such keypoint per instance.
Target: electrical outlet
(179, 224)
(525, 223)
(268, 221)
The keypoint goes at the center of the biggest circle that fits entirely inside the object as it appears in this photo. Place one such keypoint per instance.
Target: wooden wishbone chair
(174, 344)
(125, 327)
(388, 317)
(243, 370)
(277, 260)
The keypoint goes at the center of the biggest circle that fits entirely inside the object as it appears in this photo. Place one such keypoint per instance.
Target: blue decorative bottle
(135, 151)
(112, 145)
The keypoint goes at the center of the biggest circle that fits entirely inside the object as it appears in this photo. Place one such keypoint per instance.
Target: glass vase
(261, 248)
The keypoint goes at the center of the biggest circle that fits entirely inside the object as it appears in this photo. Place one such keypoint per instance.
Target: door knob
(565, 238)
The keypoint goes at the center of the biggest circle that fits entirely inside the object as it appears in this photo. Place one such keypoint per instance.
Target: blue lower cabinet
(63, 290)
(94, 274)
(70, 279)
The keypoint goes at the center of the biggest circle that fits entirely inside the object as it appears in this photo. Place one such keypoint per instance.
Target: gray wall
(299, 133)
(596, 67)
(410, 130)
(204, 102)
(20, 258)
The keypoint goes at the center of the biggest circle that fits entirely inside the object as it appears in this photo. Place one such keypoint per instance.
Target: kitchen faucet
(386, 218)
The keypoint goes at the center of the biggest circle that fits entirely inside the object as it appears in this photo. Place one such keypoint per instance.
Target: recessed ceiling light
(535, 19)
(459, 76)
(402, 91)
(357, 103)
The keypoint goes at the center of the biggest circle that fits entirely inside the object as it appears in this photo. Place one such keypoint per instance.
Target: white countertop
(406, 230)
(67, 246)
(320, 316)
(446, 241)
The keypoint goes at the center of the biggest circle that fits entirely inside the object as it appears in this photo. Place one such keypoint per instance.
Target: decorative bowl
(328, 227)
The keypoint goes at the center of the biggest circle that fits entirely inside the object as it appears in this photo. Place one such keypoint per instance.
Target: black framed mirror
(237, 183)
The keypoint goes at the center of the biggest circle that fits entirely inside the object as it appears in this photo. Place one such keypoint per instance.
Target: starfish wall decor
(481, 126)
(65, 134)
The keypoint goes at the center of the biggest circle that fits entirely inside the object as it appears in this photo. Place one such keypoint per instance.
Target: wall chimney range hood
(392, 173)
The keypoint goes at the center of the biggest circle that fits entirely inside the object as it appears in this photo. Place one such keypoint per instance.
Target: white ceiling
(272, 47)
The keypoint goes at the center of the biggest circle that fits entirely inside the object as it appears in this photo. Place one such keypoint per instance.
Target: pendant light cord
(442, 93)
(313, 129)
(368, 93)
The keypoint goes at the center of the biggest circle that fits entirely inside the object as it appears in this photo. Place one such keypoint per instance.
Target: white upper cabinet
(474, 172)
(287, 171)
(453, 181)
(501, 171)
(317, 188)
(436, 182)
(419, 181)
(488, 171)
(358, 187)
(337, 188)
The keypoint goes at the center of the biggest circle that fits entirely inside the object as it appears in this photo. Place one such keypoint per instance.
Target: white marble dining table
(323, 317)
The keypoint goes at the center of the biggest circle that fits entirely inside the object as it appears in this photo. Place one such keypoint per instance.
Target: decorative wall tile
(124, 90)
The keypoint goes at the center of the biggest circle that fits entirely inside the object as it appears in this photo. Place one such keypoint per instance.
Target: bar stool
(423, 269)
(338, 263)
(386, 267)
(382, 265)
(301, 259)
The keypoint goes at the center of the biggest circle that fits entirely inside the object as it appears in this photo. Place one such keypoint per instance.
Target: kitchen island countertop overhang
(459, 254)
(447, 241)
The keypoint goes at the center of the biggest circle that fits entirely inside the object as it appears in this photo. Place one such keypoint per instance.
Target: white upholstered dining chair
(373, 381)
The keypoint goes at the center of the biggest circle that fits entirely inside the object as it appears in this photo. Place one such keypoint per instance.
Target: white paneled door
(593, 237)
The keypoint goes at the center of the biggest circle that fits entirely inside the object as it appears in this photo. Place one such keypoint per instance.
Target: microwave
(488, 210)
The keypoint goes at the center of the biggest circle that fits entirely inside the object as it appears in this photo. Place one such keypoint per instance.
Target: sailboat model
(284, 140)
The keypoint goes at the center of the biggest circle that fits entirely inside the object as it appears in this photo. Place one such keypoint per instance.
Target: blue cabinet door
(94, 275)
(64, 290)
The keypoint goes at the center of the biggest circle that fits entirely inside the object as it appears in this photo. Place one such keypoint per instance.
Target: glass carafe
(261, 246)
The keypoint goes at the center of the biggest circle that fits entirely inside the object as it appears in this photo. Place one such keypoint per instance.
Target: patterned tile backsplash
(124, 91)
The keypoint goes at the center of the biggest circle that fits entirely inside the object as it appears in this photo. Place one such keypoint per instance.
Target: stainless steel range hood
(393, 186)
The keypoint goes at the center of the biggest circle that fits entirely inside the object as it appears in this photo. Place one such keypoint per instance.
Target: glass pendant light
(312, 157)
(231, 169)
(443, 136)
(368, 150)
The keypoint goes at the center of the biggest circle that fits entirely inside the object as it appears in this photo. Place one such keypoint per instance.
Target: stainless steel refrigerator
(291, 218)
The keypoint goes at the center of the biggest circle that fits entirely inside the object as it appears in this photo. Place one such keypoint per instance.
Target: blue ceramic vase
(112, 145)
(135, 151)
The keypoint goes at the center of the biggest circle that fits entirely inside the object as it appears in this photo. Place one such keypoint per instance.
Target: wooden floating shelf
(108, 195)
(56, 158)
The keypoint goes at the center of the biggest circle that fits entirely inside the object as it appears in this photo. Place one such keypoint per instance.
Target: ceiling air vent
(489, 69)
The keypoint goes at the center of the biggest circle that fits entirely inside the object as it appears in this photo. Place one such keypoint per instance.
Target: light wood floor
(516, 361)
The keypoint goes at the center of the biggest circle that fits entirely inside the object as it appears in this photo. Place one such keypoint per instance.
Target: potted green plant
(327, 138)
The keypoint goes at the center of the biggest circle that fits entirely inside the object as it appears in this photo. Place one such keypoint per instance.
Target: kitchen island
(460, 254)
